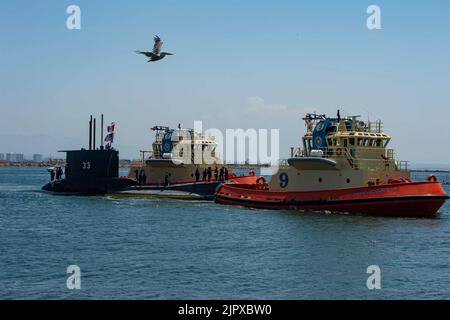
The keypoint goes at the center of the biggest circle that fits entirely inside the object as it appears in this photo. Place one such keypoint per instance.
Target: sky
(237, 64)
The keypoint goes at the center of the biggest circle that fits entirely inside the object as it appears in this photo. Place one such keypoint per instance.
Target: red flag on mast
(111, 127)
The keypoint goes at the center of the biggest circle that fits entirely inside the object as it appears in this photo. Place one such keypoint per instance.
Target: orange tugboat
(343, 166)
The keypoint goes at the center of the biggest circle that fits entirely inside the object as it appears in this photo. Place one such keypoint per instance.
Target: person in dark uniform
(225, 172)
(216, 174)
(205, 173)
(166, 180)
(136, 172)
(209, 174)
(221, 174)
(144, 178)
(52, 175)
(141, 177)
(197, 175)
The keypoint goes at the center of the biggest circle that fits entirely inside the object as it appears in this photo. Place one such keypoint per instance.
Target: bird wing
(157, 46)
(146, 53)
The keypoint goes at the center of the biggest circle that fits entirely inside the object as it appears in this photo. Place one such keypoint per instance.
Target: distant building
(14, 157)
(37, 157)
(2, 157)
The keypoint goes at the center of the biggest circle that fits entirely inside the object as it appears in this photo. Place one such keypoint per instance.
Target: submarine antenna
(95, 127)
(90, 133)
(101, 133)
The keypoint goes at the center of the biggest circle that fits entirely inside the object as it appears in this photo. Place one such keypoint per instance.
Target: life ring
(263, 186)
(432, 178)
(339, 151)
(261, 180)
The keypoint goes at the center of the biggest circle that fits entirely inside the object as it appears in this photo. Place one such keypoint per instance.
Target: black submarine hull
(87, 186)
(185, 191)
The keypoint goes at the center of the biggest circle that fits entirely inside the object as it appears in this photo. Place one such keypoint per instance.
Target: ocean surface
(166, 249)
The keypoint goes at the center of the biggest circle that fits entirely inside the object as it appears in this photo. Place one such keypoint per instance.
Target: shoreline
(50, 163)
(127, 163)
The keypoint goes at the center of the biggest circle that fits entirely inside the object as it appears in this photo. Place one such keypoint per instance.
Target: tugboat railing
(378, 157)
(402, 165)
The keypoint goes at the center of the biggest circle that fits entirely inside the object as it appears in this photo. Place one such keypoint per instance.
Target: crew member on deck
(205, 173)
(166, 180)
(58, 173)
(216, 174)
(225, 172)
(209, 174)
(52, 175)
(221, 174)
(197, 175)
(144, 179)
(141, 177)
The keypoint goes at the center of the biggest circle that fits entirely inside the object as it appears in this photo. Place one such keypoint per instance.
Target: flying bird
(156, 54)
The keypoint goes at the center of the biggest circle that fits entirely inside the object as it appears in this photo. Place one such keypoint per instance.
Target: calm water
(163, 249)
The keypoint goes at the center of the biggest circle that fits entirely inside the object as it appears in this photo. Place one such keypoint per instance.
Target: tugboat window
(378, 142)
(320, 180)
(348, 180)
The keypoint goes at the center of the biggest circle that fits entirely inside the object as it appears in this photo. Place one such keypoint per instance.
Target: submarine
(92, 171)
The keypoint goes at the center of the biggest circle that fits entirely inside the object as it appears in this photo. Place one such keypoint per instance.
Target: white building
(2, 157)
(14, 157)
(37, 157)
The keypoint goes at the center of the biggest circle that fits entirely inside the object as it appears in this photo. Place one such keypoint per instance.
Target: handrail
(350, 159)
(348, 153)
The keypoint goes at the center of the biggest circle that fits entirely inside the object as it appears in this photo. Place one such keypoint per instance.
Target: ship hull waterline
(417, 199)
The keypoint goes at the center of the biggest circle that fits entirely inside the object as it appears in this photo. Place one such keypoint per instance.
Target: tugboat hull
(416, 199)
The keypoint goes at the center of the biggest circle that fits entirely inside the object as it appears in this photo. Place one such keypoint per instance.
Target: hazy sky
(246, 64)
